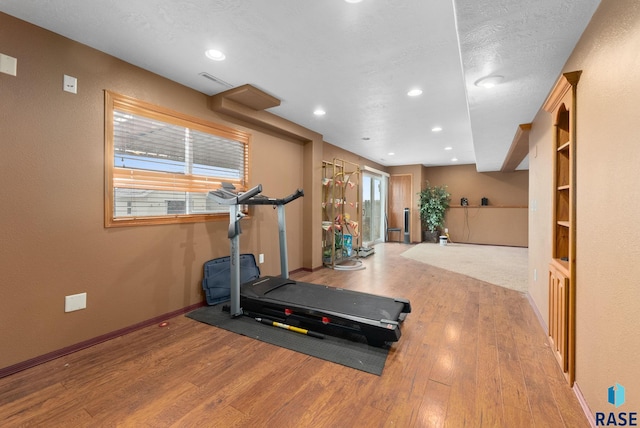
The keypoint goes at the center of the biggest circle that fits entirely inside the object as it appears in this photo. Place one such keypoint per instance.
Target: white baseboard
(576, 388)
(583, 403)
(533, 305)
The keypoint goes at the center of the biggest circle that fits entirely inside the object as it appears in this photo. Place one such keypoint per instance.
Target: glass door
(373, 197)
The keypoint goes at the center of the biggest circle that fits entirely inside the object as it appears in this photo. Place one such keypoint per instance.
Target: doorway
(374, 197)
(400, 197)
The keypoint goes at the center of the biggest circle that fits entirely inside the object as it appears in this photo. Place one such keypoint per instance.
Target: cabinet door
(559, 315)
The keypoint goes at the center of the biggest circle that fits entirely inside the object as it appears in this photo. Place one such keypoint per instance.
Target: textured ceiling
(356, 61)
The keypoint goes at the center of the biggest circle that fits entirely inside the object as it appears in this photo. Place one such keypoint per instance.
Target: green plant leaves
(433, 202)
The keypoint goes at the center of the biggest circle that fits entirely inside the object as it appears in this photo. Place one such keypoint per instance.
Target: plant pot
(430, 236)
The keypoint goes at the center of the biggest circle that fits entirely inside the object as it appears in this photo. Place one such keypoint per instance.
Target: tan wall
(608, 203)
(488, 225)
(503, 222)
(52, 180)
(331, 152)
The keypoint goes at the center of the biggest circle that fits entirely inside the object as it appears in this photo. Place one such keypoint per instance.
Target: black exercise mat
(357, 355)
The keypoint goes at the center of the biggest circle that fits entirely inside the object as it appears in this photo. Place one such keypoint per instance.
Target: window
(161, 164)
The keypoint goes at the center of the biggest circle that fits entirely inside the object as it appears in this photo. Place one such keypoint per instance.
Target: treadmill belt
(332, 299)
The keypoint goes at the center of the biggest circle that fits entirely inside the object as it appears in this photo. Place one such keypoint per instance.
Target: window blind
(165, 164)
(142, 143)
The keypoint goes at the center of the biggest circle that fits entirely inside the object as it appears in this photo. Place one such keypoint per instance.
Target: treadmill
(316, 307)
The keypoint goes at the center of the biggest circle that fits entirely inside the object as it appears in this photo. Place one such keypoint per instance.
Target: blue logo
(616, 395)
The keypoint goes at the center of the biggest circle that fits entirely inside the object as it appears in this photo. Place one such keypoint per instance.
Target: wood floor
(471, 355)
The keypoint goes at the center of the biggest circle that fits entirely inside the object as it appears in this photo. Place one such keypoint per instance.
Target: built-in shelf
(562, 265)
(562, 286)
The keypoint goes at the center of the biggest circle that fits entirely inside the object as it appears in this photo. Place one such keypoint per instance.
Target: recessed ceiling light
(414, 92)
(436, 129)
(319, 112)
(448, 148)
(353, 1)
(454, 160)
(489, 81)
(391, 153)
(215, 55)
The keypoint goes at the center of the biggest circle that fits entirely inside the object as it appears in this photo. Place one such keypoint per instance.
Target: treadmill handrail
(251, 197)
(225, 197)
(249, 194)
(263, 200)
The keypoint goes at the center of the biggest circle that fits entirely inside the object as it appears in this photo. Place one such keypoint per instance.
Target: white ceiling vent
(218, 85)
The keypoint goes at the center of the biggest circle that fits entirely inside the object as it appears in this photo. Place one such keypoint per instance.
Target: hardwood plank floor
(471, 355)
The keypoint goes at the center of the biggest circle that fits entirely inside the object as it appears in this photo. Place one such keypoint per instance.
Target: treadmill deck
(323, 298)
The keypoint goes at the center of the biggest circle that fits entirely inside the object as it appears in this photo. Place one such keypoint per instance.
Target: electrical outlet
(75, 302)
(70, 84)
(261, 258)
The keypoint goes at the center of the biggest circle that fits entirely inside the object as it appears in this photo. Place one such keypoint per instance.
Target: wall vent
(219, 84)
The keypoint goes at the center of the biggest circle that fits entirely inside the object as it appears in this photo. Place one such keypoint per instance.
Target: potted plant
(433, 203)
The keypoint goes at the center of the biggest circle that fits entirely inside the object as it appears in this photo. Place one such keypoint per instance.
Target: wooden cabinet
(562, 272)
(559, 285)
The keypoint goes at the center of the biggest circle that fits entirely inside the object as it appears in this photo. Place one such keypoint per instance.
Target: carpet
(357, 355)
(503, 266)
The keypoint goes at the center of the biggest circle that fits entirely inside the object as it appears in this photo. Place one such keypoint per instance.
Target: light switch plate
(8, 65)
